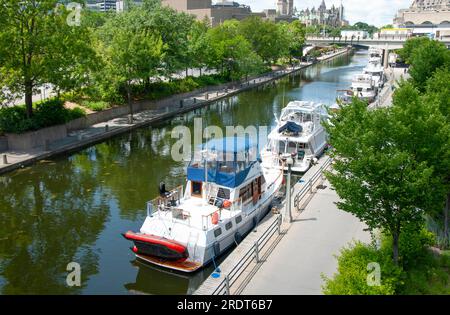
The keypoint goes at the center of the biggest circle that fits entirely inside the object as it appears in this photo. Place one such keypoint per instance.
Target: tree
(376, 174)
(73, 58)
(266, 39)
(425, 59)
(410, 45)
(294, 34)
(229, 51)
(174, 29)
(438, 95)
(197, 44)
(36, 32)
(132, 52)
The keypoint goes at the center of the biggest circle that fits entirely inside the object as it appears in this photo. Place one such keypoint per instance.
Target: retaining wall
(3, 144)
(33, 139)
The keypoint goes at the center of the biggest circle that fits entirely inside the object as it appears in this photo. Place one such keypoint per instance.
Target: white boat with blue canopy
(228, 192)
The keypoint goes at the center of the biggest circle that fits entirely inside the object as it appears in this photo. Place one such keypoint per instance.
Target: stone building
(216, 13)
(423, 12)
(285, 7)
(322, 16)
(426, 17)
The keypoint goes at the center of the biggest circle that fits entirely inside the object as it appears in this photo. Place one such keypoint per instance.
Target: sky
(375, 12)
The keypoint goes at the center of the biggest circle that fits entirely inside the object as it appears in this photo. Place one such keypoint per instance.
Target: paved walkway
(394, 76)
(307, 250)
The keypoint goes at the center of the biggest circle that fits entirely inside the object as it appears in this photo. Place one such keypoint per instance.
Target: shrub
(46, 114)
(413, 245)
(353, 272)
(95, 105)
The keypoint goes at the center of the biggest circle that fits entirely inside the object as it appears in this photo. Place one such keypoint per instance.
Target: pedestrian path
(394, 76)
(308, 249)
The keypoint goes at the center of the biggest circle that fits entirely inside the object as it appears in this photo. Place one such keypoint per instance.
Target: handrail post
(227, 285)
(279, 224)
(257, 252)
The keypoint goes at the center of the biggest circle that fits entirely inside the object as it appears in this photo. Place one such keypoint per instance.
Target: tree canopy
(111, 54)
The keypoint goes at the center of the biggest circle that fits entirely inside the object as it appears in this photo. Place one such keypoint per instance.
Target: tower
(282, 6)
(291, 8)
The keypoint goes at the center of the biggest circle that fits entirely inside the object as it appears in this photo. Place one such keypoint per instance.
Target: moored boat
(228, 192)
(299, 132)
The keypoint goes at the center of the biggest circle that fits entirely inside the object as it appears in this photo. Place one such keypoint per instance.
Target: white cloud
(376, 12)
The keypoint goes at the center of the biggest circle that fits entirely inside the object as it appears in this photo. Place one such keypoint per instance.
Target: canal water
(73, 208)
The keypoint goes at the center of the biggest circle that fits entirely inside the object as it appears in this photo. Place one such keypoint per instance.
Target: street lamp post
(289, 161)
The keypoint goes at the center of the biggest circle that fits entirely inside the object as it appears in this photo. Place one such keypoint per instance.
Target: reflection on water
(73, 208)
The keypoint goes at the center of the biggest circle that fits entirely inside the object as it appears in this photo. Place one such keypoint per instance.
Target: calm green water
(73, 208)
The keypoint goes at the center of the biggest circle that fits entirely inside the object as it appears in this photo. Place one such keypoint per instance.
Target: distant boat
(375, 69)
(299, 132)
(228, 192)
(363, 87)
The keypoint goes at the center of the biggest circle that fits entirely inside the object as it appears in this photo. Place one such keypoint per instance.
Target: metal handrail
(308, 185)
(253, 253)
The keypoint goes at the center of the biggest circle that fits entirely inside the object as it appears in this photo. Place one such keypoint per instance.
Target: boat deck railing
(207, 220)
(165, 203)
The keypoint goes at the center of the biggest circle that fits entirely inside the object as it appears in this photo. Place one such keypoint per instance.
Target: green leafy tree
(438, 95)
(376, 173)
(294, 35)
(410, 45)
(39, 42)
(198, 43)
(425, 59)
(174, 28)
(266, 39)
(229, 51)
(131, 51)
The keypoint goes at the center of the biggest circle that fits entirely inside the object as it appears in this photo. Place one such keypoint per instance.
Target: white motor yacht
(299, 132)
(228, 192)
(363, 87)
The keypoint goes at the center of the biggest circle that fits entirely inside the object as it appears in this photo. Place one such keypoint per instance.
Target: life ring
(215, 218)
(227, 204)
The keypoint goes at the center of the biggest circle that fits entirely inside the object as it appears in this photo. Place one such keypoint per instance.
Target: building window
(229, 225)
(217, 232)
(196, 189)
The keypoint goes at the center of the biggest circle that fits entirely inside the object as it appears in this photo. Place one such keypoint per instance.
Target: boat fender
(238, 238)
(216, 247)
(255, 222)
(215, 218)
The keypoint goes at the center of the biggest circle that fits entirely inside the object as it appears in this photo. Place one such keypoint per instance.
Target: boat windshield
(296, 115)
(224, 161)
